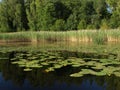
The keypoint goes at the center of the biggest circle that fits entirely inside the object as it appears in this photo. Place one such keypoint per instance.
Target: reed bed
(97, 36)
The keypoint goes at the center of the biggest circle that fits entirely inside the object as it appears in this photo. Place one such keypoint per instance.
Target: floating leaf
(44, 63)
(23, 65)
(15, 62)
(33, 57)
(91, 63)
(83, 72)
(98, 66)
(27, 69)
(49, 69)
(29, 54)
(117, 74)
(57, 66)
(34, 66)
(13, 59)
(76, 75)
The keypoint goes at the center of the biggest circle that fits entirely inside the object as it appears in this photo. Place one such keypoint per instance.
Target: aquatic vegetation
(84, 63)
(98, 67)
(116, 74)
(49, 69)
(27, 69)
(13, 59)
(44, 64)
(96, 36)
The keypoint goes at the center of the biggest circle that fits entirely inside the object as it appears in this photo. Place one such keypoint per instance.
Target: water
(13, 77)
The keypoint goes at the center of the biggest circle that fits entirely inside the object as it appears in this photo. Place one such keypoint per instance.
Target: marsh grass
(96, 36)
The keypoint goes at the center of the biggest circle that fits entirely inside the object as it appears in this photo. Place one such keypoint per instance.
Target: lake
(59, 66)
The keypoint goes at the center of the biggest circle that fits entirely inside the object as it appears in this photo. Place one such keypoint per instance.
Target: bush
(59, 25)
(82, 25)
(104, 25)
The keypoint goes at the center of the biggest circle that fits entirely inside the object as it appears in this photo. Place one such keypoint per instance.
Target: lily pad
(76, 75)
(117, 74)
(83, 72)
(34, 66)
(23, 65)
(91, 63)
(57, 66)
(44, 63)
(50, 69)
(13, 59)
(15, 62)
(27, 69)
(98, 66)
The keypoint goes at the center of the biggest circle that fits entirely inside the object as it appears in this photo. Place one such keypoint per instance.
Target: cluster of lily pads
(52, 60)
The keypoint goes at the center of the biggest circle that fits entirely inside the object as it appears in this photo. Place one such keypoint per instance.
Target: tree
(36, 15)
(82, 25)
(104, 25)
(13, 15)
(59, 25)
(31, 14)
(39, 12)
(47, 19)
(114, 5)
(4, 25)
(72, 22)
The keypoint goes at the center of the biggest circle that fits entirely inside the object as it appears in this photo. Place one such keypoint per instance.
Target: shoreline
(66, 36)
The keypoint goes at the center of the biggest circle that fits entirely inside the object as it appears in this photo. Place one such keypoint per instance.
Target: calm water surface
(13, 77)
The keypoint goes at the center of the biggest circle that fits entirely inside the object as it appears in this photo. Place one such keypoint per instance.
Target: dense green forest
(56, 15)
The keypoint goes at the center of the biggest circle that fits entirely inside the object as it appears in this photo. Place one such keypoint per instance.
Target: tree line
(58, 15)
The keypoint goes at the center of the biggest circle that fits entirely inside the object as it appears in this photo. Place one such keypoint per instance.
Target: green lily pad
(29, 54)
(27, 69)
(110, 70)
(15, 62)
(117, 74)
(83, 72)
(98, 66)
(13, 59)
(32, 62)
(34, 66)
(91, 63)
(76, 75)
(78, 65)
(44, 63)
(57, 66)
(32, 58)
(50, 69)
(23, 65)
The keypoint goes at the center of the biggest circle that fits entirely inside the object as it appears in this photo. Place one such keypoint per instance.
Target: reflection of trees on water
(39, 78)
(11, 72)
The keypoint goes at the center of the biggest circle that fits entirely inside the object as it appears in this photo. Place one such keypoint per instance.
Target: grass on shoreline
(97, 36)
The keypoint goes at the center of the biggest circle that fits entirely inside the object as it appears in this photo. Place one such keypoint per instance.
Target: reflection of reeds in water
(97, 36)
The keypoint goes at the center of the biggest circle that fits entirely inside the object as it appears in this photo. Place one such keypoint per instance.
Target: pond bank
(97, 36)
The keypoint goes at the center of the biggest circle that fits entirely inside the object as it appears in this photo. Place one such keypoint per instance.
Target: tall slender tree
(13, 15)
(4, 20)
(31, 14)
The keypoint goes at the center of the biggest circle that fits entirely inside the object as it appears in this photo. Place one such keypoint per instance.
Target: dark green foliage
(61, 11)
(72, 22)
(13, 15)
(36, 15)
(82, 24)
(59, 25)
